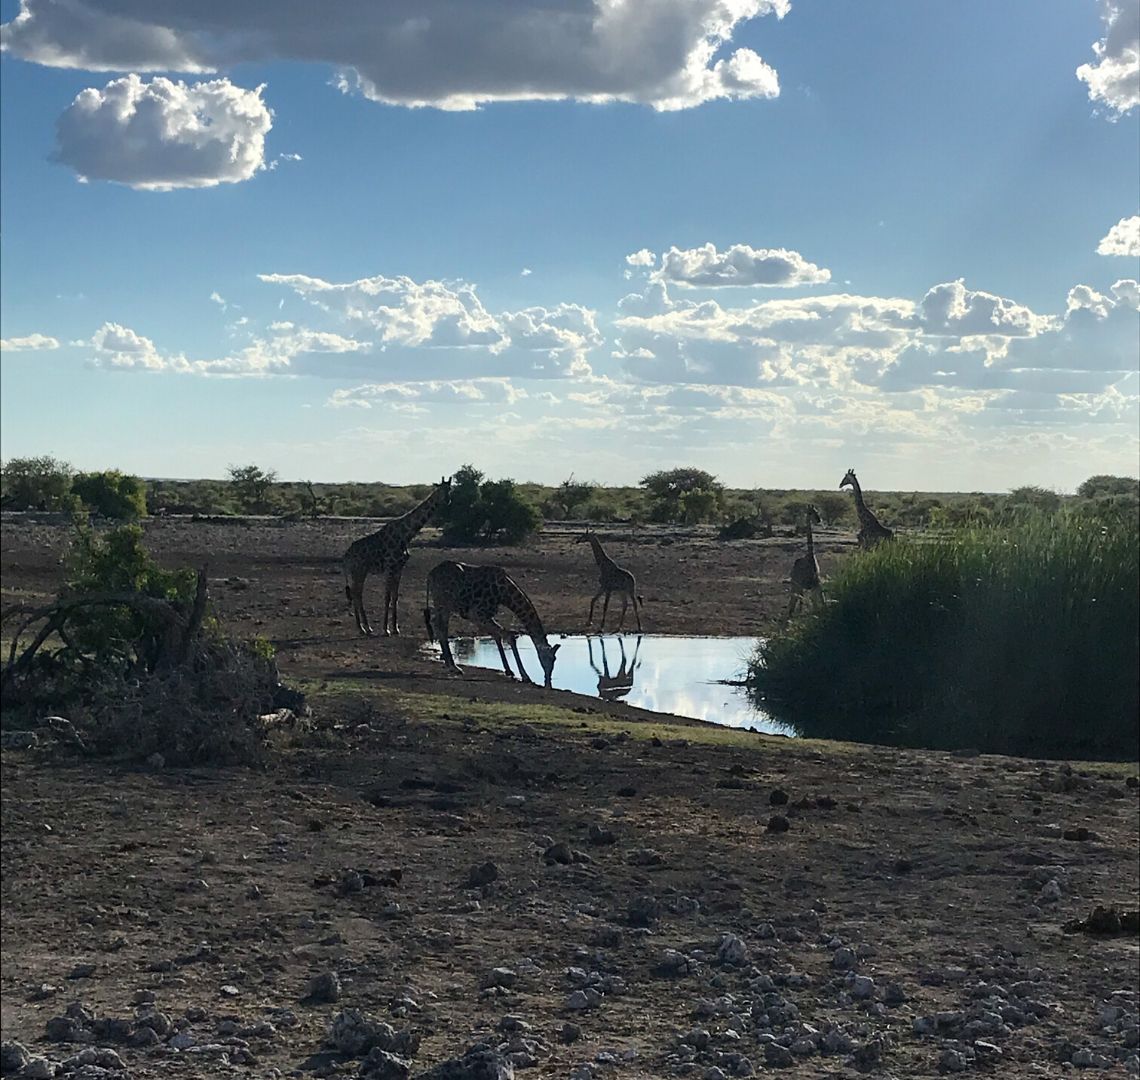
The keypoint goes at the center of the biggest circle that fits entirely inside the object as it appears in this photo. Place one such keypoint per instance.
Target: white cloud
(452, 55)
(1122, 239)
(30, 343)
(1115, 77)
(162, 135)
(644, 257)
(953, 309)
(526, 271)
(120, 347)
(437, 329)
(465, 392)
(739, 265)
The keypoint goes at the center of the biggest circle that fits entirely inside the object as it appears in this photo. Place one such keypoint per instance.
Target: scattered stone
(731, 950)
(13, 1056)
(868, 1056)
(324, 988)
(779, 797)
(596, 834)
(500, 976)
(987, 1052)
(894, 994)
(1080, 833)
(952, 1061)
(674, 964)
(558, 853)
(644, 857)
(156, 761)
(81, 971)
(644, 911)
(843, 959)
(1050, 892)
(384, 1065)
(777, 1056)
(860, 986)
(229, 990)
(18, 740)
(515, 800)
(481, 1062)
(38, 1068)
(777, 823)
(627, 792)
(1105, 920)
(569, 1033)
(482, 874)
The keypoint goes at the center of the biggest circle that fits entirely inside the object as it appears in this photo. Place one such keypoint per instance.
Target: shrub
(1020, 639)
(112, 494)
(1033, 498)
(251, 486)
(569, 499)
(1103, 485)
(486, 511)
(669, 488)
(36, 483)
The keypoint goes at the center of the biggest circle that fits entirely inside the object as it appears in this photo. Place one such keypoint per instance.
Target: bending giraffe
(871, 530)
(386, 552)
(611, 578)
(476, 593)
(805, 571)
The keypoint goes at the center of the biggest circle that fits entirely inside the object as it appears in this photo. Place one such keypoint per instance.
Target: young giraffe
(871, 530)
(611, 578)
(476, 593)
(805, 570)
(386, 552)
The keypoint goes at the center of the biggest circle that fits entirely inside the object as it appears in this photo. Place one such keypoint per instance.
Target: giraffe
(805, 570)
(386, 551)
(871, 530)
(612, 687)
(476, 593)
(611, 578)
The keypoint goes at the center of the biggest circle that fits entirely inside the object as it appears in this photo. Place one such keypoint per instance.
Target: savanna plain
(423, 863)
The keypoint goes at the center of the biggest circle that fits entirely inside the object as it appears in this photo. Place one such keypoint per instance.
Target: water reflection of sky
(676, 675)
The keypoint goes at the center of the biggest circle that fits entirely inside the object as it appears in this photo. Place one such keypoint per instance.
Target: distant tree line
(483, 510)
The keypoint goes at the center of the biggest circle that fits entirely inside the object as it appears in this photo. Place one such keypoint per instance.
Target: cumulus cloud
(443, 330)
(463, 392)
(1115, 77)
(30, 343)
(739, 265)
(120, 347)
(449, 54)
(1122, 239)
(162, 135)
(644, 257)
(953, 309)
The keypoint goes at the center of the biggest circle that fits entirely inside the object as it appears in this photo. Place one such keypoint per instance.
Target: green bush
(686, 494)
(251, 487)
(37, 483)
(486, 511)
(112, 494)
(1020, 639)
(1103, 485)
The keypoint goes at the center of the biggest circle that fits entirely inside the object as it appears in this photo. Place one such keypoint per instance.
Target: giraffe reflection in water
(618, 685)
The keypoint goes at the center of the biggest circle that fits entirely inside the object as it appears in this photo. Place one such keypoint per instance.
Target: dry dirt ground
(907, 923)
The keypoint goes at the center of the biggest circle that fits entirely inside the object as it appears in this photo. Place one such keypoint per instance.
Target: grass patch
(1017, 640)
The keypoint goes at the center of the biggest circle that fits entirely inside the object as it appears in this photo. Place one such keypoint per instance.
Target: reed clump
(1019, 639)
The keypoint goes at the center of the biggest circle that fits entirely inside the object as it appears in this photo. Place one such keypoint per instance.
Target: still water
(679, 675)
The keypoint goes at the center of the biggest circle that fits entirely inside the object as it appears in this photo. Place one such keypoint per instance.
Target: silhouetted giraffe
(612, 687)
(805, 570)
(871, 530)
(611, 578)
(476, 593)
(386, 552)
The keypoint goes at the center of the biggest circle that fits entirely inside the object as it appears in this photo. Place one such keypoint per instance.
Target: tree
(485, 511)
(112, 494)
(1102, 485)
(570, 496)
(1031, 497)
(251, 486)
(36, 483)
(668, 488)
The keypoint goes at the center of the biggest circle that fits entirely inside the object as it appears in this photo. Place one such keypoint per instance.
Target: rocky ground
(580, 889)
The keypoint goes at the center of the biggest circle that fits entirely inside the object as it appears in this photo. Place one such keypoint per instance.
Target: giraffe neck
(810, 539)
(516, 601)
(600, 556)
(861, 507)
(404, 528)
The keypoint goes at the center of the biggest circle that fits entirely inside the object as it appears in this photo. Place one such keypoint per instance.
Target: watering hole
(678, 675)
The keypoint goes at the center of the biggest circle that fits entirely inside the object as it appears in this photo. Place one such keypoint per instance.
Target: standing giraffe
(386, 552)
(613, 687)
(805, 570)
(611, 578)
(871, 530)
(476, 593)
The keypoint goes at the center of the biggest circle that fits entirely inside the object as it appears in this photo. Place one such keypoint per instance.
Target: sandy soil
(213, 897)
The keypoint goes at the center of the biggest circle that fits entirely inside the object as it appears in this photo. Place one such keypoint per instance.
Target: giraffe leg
(792, 605)
(637, 611)
(356, 592)
(518, 659)
(387, 604)
(395, 606)
(605, 608)
(590, 620)
(624, 605)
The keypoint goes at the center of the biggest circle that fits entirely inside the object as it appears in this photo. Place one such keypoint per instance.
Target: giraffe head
(546, 656)
(585, 537)
(848, 479)
(813, 515)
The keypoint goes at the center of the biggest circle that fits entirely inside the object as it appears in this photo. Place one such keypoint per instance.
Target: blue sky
(770, 240)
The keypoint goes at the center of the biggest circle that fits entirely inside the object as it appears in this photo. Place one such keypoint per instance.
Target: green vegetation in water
(1017, 639)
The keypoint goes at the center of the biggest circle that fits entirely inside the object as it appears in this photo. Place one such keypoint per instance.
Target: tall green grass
(1021, 639)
